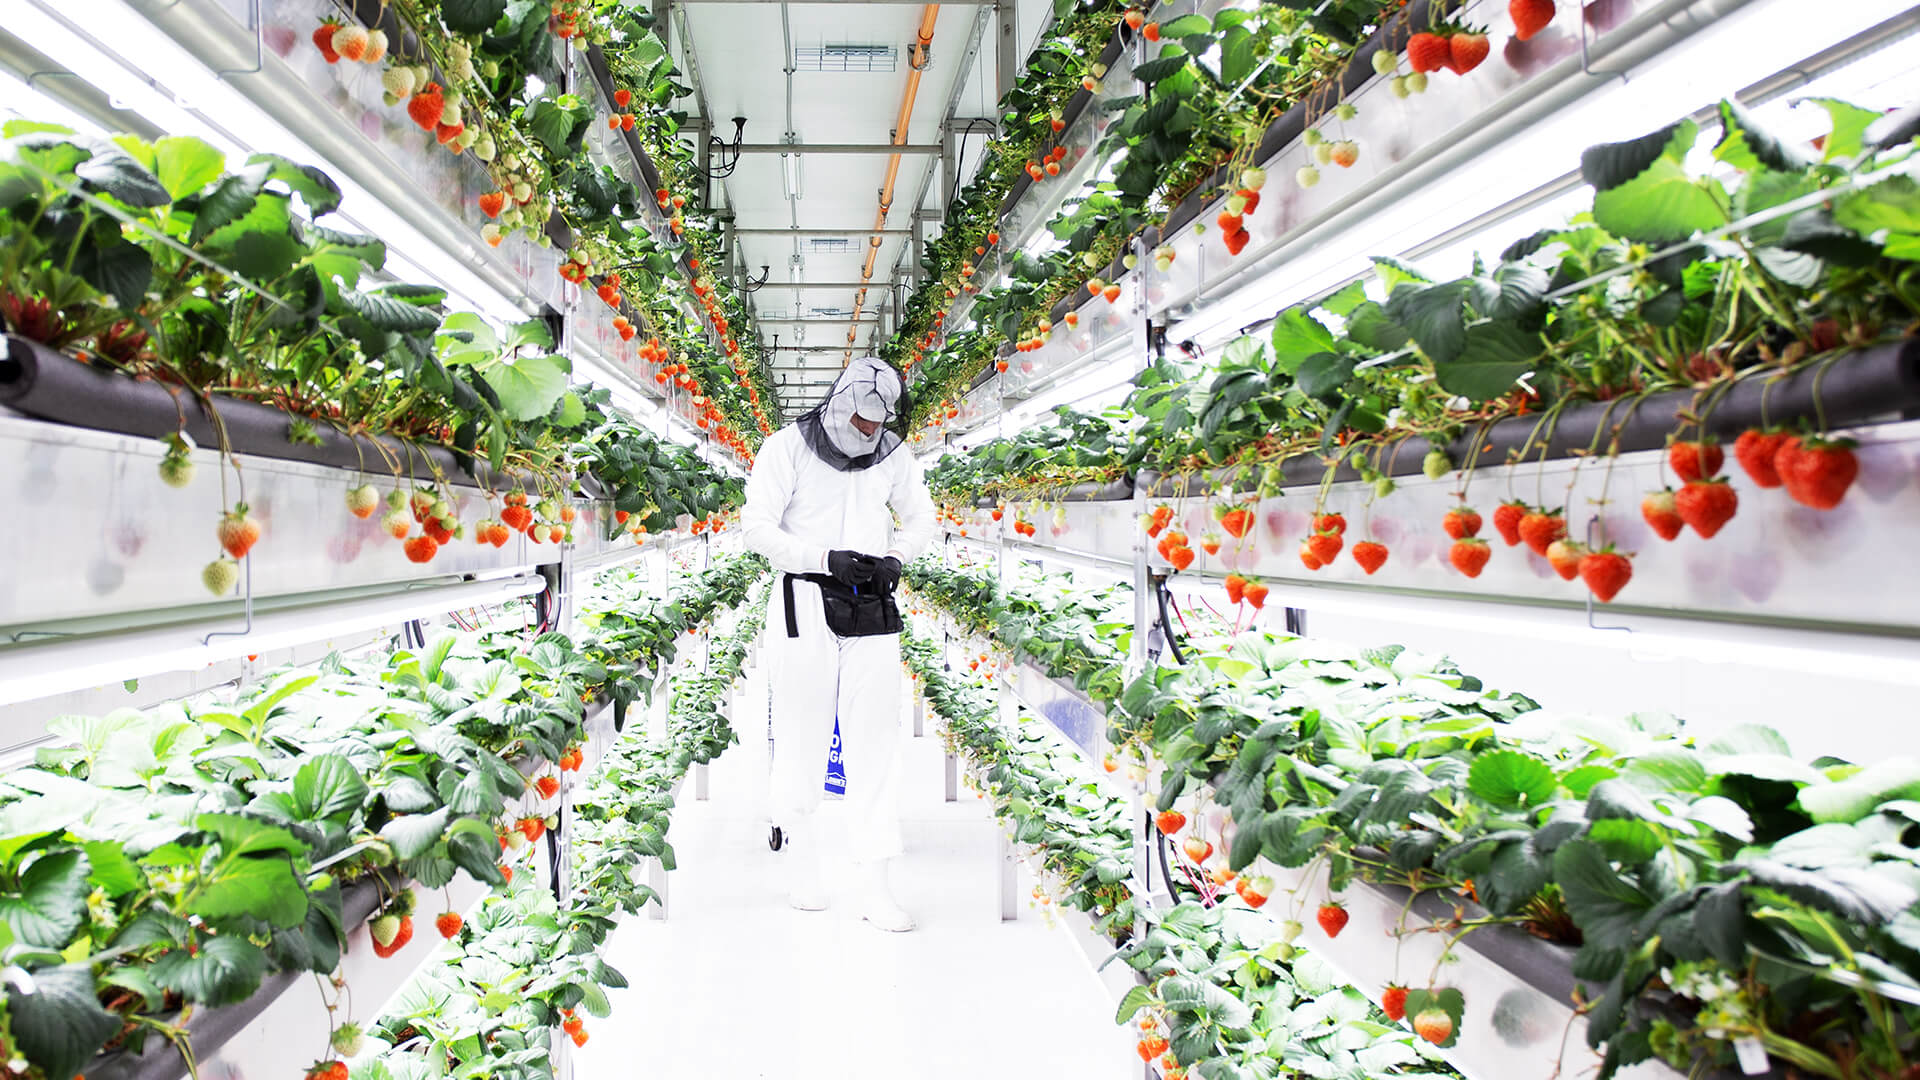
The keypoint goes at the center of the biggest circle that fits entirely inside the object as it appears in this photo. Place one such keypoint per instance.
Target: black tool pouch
(850, 613)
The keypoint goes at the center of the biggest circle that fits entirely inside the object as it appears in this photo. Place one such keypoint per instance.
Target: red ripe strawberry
(323, 40)
(426, 105)
(506, 872)
(1256, 594)
(328, 1070)
(579, 1037)
(622, 98)
(1465, 51)
(1236, 243)
(1307, 558)
(1506, 520)
(1394, 1003)
(1695, 460)
(1755, 450)
(1332, 917)
(499, 535)
(448, 923)
(1229, 223)
(1254, 890)
(1462, 522)
(1111, 292)
(422, 549)
(238, 532)
(1196, 848)
(1253, 201)
(547, 786)
(1333, 523)
(1428, 52)
(1470, 556)
(1657, 508)
(1237, 586)
(1606, 572)
(1371, 555)
(492, 203)
(1181, 557)
(1325, 546)
(532, 828)
(516, 517)
(1529, 18)
(1541, 528)
(1564, 555)
(1817, 472)
(1238, 522)
(1706, 505)
(1151, 31)
(1433, 1025)
(1170, 821)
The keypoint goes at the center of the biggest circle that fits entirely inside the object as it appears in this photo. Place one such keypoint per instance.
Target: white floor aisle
(735, 984)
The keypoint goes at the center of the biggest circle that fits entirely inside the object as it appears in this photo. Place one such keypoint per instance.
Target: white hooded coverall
(798, 509)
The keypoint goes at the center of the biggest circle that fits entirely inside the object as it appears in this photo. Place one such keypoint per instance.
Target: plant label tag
(1752, 1055)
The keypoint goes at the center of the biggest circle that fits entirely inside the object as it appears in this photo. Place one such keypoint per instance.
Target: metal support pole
(703, 133)
(657, 881)
(919, 242)
(1009, 879)
(1006, 52)
(949, 166)
(663, 23)
(953, 778)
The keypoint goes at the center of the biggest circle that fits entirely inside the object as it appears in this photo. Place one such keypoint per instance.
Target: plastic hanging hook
(259, 45)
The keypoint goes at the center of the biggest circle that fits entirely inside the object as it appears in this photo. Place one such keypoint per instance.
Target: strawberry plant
(1080, 835)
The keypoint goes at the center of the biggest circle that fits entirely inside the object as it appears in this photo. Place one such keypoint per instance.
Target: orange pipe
(928, 15)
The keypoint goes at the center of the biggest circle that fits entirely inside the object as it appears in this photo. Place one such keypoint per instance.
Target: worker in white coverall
(820, 507)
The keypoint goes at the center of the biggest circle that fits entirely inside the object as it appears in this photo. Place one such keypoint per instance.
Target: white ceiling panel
(741, 51)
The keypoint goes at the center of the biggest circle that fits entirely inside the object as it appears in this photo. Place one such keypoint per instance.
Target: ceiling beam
(824, 284)
(836, 148)
(855, 231)
(840, 320)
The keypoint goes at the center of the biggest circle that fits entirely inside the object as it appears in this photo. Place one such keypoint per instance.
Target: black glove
(850, 567)
(886, 573)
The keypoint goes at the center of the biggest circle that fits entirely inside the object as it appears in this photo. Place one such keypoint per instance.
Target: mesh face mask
(871, 388)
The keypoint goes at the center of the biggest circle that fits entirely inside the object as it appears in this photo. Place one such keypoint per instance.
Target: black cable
(960, 157)
(1166, 624)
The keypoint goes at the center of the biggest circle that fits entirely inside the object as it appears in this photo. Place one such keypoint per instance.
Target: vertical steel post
(1009, 879)
(1006, 52)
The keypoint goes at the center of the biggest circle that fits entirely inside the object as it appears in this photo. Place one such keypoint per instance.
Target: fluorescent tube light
(1849, 656)
(59, 666)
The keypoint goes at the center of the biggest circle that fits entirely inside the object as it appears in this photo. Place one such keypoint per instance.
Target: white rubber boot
(877, 905)
(801, 854)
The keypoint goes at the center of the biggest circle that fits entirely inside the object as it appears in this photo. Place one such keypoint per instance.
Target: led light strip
(31, 671)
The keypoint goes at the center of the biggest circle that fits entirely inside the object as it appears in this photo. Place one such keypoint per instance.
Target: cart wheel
(776, 839)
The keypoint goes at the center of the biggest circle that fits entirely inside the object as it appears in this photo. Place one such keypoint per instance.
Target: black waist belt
(849, 612)
(786, 594)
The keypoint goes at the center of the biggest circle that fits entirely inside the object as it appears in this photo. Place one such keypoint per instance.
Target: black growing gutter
(44, 383)
(1872, 384)
(209, 1029)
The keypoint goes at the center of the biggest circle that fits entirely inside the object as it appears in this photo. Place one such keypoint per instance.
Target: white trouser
(812, 678)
